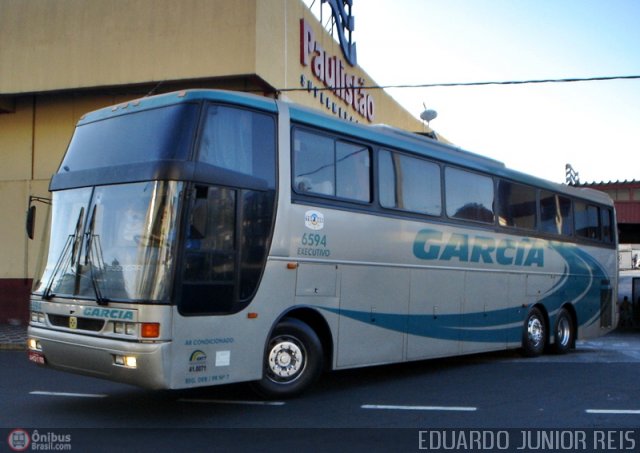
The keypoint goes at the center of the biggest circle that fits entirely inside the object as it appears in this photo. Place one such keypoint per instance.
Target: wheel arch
(314, 319)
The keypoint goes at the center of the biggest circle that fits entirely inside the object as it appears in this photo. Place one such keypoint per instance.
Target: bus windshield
(150, 135)
(113, 242)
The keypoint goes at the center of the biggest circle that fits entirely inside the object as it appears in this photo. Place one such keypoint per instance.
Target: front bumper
(97, 357)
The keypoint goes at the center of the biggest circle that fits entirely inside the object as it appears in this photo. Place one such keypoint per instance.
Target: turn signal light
(150, 330)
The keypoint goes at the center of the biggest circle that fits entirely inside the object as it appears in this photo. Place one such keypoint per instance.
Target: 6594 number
(314, 240)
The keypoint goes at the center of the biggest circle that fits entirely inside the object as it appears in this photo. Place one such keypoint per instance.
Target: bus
(208, 237)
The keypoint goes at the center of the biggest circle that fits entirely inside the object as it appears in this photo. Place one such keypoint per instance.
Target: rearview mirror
(31, 221)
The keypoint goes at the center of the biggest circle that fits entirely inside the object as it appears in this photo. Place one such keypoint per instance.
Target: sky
(533, 128)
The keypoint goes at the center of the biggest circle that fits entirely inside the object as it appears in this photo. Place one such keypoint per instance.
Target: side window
(516, 205)
(225, 249)
(587, 218)
(208, 281)
(606, 220)
(239, 140)
(409, 184)
(555, 214)
(314, 157)
(469, 196)
(326, 166)
(353, 172)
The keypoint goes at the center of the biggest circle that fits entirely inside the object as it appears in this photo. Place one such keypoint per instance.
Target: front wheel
(292, 360)
(534, 334)
(563, 333)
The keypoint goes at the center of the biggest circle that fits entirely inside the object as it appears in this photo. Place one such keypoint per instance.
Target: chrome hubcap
(286, 360)
(564, 331)
(535, 331)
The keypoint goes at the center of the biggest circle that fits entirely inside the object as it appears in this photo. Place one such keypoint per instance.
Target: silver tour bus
(208, 237)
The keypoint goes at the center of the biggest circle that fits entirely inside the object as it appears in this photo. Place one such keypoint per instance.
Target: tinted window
(469, 195)
(226, 247)
(555, 213)
(209, 277)
(353, 170)
(516, 205)
(606, 216)
(239, 140)
(409, 184)
(326, 166)
(145, 136)
(587, 219)
(314, 163)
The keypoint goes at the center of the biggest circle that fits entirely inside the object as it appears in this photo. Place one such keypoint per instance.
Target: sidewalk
(13, 337)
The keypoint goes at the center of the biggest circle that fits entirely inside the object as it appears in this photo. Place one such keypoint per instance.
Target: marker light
(150, 330)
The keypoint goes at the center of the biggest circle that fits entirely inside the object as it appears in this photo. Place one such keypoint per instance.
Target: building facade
(62, 58)
(626, 196)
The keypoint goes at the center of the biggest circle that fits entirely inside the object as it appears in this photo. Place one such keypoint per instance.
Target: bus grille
(94, 325)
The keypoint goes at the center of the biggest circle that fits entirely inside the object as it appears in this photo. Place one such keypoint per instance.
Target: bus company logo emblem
(73, 322)
(198, 362)
(435, 245)
(19, 440)
(314, 220)
(94, 312)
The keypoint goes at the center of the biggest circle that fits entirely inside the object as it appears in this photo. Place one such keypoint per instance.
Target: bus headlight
(37, 316)
(127, 361)
(124, 328)
(130, 328)
(34, 344)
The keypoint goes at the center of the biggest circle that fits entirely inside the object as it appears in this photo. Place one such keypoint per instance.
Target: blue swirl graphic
(581, 283)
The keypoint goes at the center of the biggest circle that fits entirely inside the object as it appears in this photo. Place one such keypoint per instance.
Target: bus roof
(162, 100)
(383, 135)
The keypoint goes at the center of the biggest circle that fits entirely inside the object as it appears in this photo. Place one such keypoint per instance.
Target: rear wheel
(563, 333)
(534, 334)
(292, 360)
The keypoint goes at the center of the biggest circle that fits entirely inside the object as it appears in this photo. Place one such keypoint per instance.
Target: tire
(534, 334)
(292, 360)
(563, 333)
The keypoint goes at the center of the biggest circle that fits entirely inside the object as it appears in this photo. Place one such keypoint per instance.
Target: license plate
(36, 357)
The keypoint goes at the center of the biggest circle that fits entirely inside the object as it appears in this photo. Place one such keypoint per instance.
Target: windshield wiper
(68, 256)
(91, 242)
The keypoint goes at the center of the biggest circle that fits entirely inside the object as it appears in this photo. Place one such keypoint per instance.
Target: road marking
(419, 408)
(614, 411)
(239, 402)
(78, 395)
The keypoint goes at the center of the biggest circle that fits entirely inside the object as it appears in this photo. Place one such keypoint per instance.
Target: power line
(467, 84)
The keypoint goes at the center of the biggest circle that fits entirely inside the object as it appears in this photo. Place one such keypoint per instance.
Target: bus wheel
(292, 360)
(534, 334)
(563, 333)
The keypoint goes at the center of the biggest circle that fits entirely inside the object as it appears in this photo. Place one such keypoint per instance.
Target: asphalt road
(378, 409)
